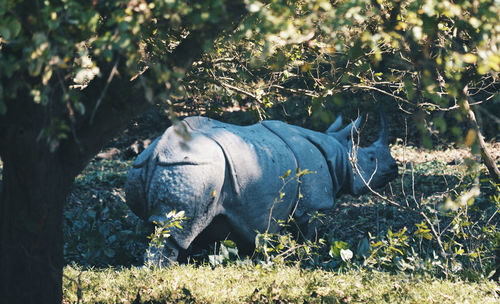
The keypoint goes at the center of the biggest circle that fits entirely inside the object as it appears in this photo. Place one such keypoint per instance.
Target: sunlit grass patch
(280, 284)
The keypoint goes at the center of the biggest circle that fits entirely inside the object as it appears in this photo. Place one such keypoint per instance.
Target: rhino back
(316, 187)
(256, 158)
(336, 156)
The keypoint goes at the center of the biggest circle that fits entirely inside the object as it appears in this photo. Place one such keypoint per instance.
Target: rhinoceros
(239, 174)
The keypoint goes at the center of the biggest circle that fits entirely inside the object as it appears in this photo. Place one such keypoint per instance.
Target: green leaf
(303, 172)
(410, 90)
(109, 252)
(470, 58)
(224, 252)
(233, 252)
(229, 243)
(440, 122)
(15, 27)
(363, 248)
(346, 255)
(35, 67)
(80, 107)
(215, 259)
(336, 247)
(47, 74)
(395, 249)
(5, 32)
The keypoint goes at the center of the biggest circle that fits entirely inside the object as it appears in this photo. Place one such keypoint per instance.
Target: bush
(99, 228)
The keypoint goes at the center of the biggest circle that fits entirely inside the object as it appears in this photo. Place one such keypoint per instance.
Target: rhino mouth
(391, 175)
(385, 178)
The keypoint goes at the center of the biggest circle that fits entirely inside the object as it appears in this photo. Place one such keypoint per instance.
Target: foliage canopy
(426, 55)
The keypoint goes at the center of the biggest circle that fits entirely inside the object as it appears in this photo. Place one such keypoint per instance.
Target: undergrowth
(373, 248)
(99, 228)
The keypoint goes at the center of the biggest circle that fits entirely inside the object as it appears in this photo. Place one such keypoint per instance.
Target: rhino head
(373, 166)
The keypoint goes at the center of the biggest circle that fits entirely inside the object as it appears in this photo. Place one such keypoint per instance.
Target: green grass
(280, 284)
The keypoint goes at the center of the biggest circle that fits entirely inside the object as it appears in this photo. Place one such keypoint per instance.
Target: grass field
(238, 284)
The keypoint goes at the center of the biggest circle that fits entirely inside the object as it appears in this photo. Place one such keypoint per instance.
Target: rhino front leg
(310, 224)
(161, 254)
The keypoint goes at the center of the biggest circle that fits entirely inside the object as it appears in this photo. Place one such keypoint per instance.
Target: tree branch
(113, 72)
(360, 86)
(296, 91)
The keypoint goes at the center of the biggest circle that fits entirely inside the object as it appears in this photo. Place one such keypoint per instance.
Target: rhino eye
(372, 158)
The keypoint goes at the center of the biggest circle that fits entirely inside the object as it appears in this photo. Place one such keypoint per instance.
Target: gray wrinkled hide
(235, 172)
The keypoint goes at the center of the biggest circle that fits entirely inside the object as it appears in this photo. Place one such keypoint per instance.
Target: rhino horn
(383, 137)
(335, 125)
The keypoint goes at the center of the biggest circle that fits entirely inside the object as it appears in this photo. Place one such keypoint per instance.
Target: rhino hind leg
(194, 188)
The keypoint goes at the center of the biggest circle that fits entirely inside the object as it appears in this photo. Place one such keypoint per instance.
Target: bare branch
(296, 91)
(114, 71)
(378, 90)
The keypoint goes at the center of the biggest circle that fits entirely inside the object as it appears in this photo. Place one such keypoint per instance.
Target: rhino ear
(348, 131)
(383, 137)
(345, 135)
(335, 125)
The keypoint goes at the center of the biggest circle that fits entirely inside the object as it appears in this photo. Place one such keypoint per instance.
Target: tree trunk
(32, 197)
(488, 160)
(36, 181)
(486, 157)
